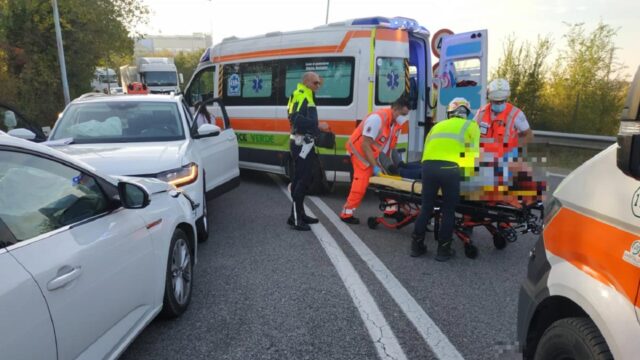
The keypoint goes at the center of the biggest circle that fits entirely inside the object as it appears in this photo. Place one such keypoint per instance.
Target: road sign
(436, 41)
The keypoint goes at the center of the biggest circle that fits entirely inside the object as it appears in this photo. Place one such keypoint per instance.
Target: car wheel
(202, 224)
(179, 276)
(573, 338)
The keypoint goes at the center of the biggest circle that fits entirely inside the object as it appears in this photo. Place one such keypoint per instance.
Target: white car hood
(129, 158)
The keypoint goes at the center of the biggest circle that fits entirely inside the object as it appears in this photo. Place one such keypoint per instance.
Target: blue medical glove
(376, 170)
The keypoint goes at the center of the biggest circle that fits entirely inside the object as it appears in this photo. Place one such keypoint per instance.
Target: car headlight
(185, 175)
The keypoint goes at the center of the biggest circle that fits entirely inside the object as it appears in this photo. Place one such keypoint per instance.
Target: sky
(524, 19)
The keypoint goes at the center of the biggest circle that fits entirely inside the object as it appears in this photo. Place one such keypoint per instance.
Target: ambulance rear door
(463, 70)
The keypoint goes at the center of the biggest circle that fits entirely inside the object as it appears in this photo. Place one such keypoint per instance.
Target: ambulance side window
(336, 74)
(202, 86)
(390, 79)
(249, 83)
(461, 73)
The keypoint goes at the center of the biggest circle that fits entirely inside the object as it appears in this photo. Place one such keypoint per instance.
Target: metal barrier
(582, 141)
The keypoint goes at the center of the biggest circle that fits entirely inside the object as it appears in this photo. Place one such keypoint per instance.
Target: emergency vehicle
(365, 64)
(580, 299)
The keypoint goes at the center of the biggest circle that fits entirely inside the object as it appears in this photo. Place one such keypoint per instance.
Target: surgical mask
(401, 119)
(498, 108)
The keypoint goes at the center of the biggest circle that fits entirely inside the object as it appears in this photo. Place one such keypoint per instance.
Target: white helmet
(498, 90)
(459, 107)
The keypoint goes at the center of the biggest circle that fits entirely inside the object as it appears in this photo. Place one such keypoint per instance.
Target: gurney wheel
(470, 251)
(372, 222)
(499, 241)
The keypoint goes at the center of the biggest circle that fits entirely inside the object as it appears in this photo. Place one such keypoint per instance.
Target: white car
(152, 136)
(87, 261)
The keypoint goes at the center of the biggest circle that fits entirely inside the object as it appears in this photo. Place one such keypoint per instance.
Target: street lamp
(63, 68)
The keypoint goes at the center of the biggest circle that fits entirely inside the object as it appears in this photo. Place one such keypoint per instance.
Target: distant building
(172, 43)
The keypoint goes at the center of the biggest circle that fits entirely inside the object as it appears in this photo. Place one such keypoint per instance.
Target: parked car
(87, 260)
(152, 136)
(16, 124)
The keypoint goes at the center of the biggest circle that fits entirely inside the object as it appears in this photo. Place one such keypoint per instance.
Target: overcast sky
(526, 19)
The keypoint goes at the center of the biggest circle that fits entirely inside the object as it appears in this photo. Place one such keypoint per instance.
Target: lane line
(556, 175)
(432, 335)
(384, 339)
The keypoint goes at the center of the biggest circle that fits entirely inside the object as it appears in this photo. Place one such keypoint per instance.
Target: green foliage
(94, 33)
(583, 92)
(186, 62)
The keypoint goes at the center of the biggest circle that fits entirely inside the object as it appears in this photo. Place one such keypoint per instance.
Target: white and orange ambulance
(580, 299)
(365, 64)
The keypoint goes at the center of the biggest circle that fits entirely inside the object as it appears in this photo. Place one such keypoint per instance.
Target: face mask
(498, 108)
(401, 119)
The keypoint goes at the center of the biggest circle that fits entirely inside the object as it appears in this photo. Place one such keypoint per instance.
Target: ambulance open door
(462, 71)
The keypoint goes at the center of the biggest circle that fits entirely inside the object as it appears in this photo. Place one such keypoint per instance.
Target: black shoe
(290, 221)
(301, 227)
(418, 248)
(352, 220)
(309, 219)
(445, 252)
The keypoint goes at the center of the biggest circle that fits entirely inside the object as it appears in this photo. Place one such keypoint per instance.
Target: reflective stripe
(459, 137)
(355, 152)
(372, 59)
(509, 123)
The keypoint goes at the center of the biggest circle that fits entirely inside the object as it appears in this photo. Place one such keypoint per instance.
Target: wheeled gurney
(400, 201)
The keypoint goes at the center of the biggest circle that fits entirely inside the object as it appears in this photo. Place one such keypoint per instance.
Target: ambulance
(580, 298)
(365, 64)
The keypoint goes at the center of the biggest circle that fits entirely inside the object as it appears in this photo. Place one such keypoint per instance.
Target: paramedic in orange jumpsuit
(377, 132)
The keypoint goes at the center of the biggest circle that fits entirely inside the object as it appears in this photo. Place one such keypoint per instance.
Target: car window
(39, 195)
(10, 120)
(120, 121)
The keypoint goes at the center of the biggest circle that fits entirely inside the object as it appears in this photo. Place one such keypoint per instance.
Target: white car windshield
(120, 121)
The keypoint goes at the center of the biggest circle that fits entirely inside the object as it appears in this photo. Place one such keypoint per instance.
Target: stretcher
(521, 211)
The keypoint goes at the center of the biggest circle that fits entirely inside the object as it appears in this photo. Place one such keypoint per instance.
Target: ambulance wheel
(573, 338)
(372, 223)
(499, 241)
(470, 251)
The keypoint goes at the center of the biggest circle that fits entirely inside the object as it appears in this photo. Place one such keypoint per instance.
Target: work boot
(351, 220)
(418, 248)
(445, 252)
(300, 226)
(309, 220)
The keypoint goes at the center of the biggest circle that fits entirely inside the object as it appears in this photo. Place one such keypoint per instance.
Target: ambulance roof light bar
(397, 22)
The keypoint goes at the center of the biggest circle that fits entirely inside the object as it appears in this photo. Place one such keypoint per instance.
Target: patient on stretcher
(505, 180)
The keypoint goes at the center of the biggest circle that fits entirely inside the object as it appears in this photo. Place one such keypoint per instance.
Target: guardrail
(582, 141)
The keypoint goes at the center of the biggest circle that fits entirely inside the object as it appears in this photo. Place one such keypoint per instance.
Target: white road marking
(432, 335)
(384, 339)
(555, 175)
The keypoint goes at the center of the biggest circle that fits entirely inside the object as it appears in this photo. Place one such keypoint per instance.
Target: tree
(93, 32)
(524, 67)
(586, 90)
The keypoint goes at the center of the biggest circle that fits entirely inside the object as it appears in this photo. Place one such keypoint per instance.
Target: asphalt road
(264, 291)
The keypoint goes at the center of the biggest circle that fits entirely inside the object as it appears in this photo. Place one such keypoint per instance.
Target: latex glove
(376, 170)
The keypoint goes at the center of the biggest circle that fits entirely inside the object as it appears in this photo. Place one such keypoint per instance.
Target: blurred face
(401, 115)
(313, 82)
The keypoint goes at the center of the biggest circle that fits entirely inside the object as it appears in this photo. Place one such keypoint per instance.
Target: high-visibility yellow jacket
(456, 140)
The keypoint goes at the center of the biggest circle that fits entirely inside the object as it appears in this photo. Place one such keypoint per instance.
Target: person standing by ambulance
(450, 150)
(373, 135)
(303, 118)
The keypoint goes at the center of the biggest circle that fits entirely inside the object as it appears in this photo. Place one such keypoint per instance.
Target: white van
(580, 299)
(365, 64)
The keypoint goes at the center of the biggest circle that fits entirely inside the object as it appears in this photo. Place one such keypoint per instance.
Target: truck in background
(159, 74)
(104, 80)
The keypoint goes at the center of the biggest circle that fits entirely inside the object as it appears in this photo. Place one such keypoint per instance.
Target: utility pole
(63, 68)
(326, 20)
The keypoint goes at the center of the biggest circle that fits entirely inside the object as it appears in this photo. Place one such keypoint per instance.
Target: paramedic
(377, 133)
(450, 150)
(303, 118)
(202, 115)
(503, 127)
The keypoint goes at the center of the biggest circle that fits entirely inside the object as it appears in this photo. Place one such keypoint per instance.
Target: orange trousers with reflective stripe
(359, 185)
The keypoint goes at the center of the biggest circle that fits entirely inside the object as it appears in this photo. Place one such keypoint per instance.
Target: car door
(26, 328)
(463, 70)
(94, 264)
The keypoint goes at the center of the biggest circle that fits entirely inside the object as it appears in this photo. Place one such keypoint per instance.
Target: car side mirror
(208, 130)
(22, 134)
(133, 196)
(628, 155)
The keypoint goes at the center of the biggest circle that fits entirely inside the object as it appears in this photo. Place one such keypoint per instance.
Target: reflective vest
(302, 112)
(354, 144)
(498, 132)
(455, 140)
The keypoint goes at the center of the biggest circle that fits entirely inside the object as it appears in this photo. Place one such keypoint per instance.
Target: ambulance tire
(573, 338)
(372, 223)
(499, 241)
(202, 224)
